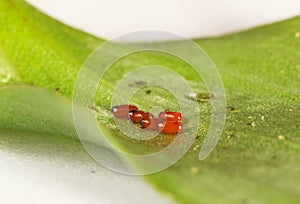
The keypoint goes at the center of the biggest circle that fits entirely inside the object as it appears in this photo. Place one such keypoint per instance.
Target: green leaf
(32, 109)
(260, 71)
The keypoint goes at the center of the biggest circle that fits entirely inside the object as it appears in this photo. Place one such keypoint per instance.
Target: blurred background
(190, 18)
(43, 179)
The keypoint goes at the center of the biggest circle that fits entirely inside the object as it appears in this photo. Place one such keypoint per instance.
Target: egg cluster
(167, 122)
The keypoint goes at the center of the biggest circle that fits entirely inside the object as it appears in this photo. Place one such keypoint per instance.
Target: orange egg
(170, 116)
(169, 127)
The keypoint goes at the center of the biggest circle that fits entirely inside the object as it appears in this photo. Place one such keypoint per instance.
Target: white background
(190, 18)
(35, 178)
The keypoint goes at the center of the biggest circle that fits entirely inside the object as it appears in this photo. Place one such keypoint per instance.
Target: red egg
(150, 123)
(122, 110)
(137, 116)
(169, 127)
(170, 116)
